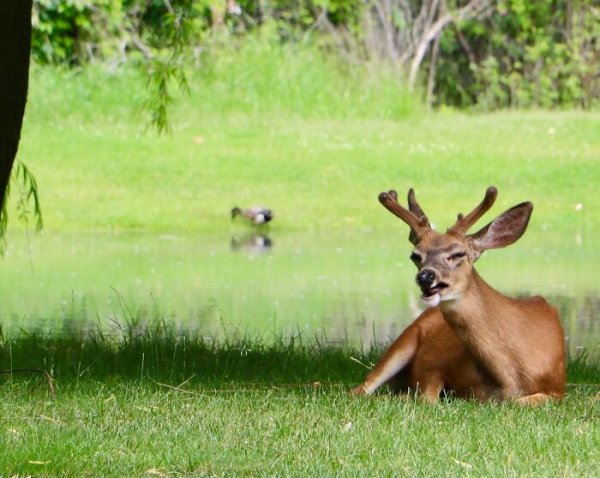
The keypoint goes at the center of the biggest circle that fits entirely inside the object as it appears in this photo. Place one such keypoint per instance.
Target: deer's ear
(506, 229)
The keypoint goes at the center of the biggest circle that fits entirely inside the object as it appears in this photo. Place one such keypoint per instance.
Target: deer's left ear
(506, 229)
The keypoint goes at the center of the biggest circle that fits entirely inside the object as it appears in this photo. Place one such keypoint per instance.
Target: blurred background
(149, 120)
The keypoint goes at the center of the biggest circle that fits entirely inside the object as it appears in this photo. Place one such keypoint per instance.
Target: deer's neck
(481, 307)
(481, 319)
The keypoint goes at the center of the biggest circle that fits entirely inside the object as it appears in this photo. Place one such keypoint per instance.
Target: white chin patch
(432, 300)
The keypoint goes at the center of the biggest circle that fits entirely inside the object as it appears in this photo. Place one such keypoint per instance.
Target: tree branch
(473, 9)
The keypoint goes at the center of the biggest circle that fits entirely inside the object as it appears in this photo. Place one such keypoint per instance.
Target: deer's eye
(456, 256)
(416, 258)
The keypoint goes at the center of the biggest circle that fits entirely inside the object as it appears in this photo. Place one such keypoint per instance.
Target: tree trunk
(432, 70)
(15, 49)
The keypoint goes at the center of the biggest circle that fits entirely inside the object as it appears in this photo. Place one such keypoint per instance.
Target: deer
(471, 341)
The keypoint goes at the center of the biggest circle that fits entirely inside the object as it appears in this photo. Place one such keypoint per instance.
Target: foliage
(156, 33)
(168, 64)
(516, 54)
(526, 54)
(27, 203)
(72, 31)
(77, 31)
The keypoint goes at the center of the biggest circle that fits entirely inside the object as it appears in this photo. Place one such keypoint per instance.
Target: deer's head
(445, 261)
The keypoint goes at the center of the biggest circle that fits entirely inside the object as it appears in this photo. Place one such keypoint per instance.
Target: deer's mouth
(432, 294)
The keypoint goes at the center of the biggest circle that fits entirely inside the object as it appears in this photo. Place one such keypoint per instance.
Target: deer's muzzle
(426, 278)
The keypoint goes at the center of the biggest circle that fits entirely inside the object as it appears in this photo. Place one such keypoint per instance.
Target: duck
(255, 215)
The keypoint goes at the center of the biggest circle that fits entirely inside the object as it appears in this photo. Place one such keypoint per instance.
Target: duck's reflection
(251, 243)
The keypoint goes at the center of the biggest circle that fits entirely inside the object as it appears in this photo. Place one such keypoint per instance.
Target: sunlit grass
(318, 161)
(260, 76)
(132, 430)
(149, 400)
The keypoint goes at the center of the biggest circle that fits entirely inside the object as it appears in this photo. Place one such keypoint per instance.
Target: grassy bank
(319, 164)
(155, 402)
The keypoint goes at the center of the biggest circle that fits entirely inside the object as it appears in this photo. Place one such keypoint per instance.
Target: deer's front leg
(430, 388)
(393, 361)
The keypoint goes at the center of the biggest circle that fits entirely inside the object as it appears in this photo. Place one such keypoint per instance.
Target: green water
(356, 287)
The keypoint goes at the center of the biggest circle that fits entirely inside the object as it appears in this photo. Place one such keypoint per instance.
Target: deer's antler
(414, 217)
(463, 223)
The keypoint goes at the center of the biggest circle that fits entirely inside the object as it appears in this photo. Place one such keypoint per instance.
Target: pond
(338, 287)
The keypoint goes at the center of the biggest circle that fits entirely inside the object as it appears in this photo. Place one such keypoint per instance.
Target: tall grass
(262, 76)
(158, 351)
(254, 76)
(155, 350)
(63, 97)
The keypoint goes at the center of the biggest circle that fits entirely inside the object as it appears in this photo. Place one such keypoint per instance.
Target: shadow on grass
(160, 353)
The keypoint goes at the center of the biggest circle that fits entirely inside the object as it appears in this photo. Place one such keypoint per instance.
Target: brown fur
(479, 343)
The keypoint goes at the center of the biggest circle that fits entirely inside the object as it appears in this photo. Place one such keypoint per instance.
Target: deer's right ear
(503, 231)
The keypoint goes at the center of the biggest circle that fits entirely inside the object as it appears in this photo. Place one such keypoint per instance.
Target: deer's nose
(426, 278)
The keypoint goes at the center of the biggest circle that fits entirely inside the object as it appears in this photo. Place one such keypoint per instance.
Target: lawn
(99, 171)
(162, 404)
(158, 402)
(149, 430)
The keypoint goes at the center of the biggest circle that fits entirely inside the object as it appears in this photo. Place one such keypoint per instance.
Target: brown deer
(472, 341)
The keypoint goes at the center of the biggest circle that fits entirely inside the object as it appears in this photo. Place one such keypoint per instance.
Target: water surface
(355, 287)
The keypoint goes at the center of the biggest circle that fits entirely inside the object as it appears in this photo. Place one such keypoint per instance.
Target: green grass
(319, 164)
(150, 431)
(150, 401)
(316, 142)
(260, 76)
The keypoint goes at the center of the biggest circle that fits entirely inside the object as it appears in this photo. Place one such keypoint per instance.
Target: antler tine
(390, 201)
(413, 206)
(463, 223)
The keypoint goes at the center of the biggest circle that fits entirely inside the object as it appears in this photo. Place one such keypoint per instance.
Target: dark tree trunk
(15, 49)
